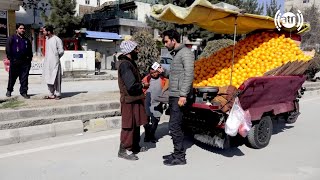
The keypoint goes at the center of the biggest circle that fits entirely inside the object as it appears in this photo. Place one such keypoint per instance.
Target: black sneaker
(150, 138)
(8, 94)
(154, 140)
(146, 139)
(25, 96)
(175, 161)
(167, 157)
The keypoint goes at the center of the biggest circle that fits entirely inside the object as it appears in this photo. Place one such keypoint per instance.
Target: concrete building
(299, 4)
(7, 22)
(85, 6)
(30, 13)
(123, 18)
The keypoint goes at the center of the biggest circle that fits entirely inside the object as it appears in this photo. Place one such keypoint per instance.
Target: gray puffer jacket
(181, 72)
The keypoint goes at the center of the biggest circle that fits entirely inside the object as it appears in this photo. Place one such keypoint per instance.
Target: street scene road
(90, 73)
(293, 154)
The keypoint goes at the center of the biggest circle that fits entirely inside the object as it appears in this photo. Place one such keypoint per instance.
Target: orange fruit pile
(254, 56)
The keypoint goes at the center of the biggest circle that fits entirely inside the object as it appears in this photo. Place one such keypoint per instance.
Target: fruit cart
(264, 71)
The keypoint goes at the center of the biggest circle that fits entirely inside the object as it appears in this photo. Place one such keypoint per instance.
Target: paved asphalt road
(293, 154)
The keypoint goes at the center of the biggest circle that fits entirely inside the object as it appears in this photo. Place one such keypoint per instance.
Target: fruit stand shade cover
(214, 18)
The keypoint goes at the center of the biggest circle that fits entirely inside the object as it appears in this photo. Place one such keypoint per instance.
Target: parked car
(165, 62)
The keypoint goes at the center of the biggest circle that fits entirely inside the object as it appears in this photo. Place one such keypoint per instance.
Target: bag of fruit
(236, 118)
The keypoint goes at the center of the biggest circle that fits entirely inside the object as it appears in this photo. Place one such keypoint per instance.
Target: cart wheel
(293, 116)
(260, 134)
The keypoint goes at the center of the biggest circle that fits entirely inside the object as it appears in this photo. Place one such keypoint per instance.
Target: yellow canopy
(215, 19)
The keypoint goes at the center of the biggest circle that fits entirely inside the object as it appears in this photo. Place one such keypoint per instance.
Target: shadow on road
(230, 152)
(71, 94)
(280, 126)
(162, 130)
(63, 95)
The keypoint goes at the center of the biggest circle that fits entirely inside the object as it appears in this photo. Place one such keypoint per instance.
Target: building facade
(30, 12)
(299, 4)
(7, 22)
(123, 17)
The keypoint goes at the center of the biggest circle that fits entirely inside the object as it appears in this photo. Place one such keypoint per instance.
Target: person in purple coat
(19, 53)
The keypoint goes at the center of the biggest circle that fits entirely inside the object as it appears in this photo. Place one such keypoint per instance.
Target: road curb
(12, 114)
(12, 136)
(104, 124)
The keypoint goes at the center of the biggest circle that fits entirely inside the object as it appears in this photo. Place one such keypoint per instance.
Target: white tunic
(51, 64)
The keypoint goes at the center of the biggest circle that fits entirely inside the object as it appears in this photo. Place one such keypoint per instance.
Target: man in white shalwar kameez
(51, 65)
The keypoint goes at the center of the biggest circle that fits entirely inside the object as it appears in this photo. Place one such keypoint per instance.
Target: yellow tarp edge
(216, 19)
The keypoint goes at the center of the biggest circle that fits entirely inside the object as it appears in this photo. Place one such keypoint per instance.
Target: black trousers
(154, 124)
(21, 70)
(151, 127)
(175, 127)
(98, 65)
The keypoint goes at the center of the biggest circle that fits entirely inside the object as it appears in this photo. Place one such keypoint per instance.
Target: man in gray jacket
(180, 77)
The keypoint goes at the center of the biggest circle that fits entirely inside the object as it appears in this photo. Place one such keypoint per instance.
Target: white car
(165, 62)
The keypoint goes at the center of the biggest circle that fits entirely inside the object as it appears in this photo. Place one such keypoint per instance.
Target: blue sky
(268, 1)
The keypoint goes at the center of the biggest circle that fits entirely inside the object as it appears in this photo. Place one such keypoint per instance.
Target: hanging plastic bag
(245, 125)
(236, 118)
(6, 63)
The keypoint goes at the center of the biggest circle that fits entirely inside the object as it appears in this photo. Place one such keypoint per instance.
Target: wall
(78, 61)
(106, 49)
(124, 30)
(92, 3)
(71, 61)
(142, 10)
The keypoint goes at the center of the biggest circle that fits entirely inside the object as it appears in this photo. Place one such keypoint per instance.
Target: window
(87, 1)
(305, 1)
(98, 2)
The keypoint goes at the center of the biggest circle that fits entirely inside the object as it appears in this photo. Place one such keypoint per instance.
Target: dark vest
(124, 95)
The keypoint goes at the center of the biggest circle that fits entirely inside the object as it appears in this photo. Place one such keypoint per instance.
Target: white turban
(127, 46)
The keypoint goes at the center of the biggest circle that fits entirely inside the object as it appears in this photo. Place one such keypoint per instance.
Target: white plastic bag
(237, 118)
(245, 125)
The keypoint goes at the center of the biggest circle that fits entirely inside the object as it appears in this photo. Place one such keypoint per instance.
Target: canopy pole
(234, 47)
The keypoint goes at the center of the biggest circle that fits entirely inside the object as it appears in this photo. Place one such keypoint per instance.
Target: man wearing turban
(132, 101)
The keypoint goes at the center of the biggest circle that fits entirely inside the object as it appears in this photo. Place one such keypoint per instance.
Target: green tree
(148, 50)
(272, 8)
(252, 6)
(63, 17)
(35, 6)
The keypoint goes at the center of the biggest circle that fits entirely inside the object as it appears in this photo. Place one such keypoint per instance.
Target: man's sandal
(49, 97)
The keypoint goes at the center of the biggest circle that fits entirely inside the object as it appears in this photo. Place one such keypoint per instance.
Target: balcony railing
(111, 15)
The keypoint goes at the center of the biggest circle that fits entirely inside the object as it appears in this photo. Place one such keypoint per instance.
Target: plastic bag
(245, 125)
(237, 118)
(6, 63)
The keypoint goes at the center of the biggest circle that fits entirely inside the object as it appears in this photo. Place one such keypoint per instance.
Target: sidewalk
(73, 92)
